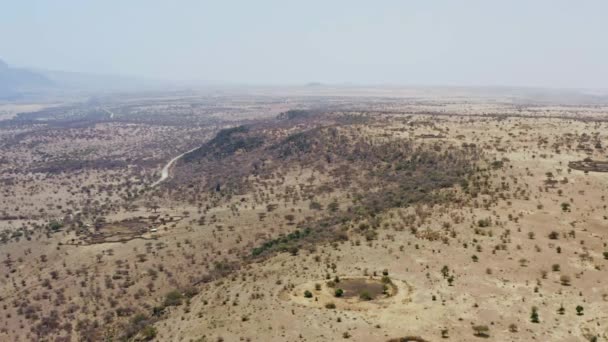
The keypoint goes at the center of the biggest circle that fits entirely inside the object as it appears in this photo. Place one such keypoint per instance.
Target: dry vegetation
(305, 218)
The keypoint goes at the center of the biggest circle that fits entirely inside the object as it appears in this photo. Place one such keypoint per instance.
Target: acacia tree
(481, 330)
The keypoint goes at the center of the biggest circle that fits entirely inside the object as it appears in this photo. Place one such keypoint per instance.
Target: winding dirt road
(164, 174)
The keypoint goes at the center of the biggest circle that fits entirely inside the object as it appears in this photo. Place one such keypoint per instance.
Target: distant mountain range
(15, 82)
(30, 83)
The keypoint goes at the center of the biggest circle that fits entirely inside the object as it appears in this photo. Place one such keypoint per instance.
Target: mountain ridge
(16, 82)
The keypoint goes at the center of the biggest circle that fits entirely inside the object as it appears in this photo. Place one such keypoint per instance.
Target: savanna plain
(305, 214)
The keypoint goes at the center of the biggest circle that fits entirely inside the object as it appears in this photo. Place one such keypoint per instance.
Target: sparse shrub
(148, 333)
(534, 315)
(445, 271)
(315, 205)
(55, 226)
(365, 296)
(484, 222)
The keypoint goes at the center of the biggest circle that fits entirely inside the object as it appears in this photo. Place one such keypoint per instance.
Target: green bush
(55, 226)
(174, 298)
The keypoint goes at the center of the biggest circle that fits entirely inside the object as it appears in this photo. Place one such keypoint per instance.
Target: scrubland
(367, 216)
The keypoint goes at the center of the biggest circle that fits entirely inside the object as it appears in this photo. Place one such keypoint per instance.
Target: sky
(539, 43)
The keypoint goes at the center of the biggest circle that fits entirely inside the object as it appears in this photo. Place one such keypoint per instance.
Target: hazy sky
(453, 42)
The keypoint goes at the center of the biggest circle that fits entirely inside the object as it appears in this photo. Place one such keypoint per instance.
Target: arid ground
(306, 214)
